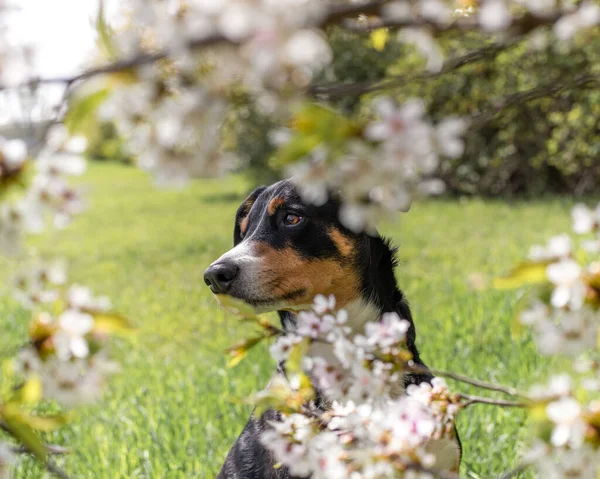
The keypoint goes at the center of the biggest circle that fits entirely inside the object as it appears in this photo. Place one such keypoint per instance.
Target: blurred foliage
(356, 60)
(550, 144)
(248, 135)
(105, 143)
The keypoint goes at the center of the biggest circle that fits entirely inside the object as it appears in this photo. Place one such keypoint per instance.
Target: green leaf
(30, 392)
(294, 363)
(315, 125)
(524, 274)
(22, 431)
(294, 372)
(45, 423)
(112, 323)
(236, 306)
(239, 351)
(105, 35)
(379, 38)
(82, 110)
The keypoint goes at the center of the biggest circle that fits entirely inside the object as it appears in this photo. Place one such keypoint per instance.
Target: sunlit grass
(172, 411)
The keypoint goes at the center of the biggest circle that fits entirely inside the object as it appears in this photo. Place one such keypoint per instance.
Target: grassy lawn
(171, 412)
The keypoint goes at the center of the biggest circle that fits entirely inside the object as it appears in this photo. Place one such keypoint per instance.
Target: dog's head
(287, 251)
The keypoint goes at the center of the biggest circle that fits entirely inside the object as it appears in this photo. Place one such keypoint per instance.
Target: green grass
(172, 411)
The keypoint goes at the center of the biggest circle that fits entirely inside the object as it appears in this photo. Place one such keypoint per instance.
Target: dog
(285, 253)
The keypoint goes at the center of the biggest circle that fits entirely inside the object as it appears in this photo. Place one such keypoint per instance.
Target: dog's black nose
(220, 276)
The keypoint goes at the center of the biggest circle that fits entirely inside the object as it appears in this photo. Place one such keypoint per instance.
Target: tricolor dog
(285, 253)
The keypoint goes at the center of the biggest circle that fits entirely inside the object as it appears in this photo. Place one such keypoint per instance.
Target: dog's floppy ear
(243, 211)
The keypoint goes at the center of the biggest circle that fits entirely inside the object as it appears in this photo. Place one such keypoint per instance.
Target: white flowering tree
(169, 82)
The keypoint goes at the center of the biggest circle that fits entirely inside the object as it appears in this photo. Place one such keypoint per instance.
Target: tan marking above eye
(344, 244)
(274, 204)
(315, 276)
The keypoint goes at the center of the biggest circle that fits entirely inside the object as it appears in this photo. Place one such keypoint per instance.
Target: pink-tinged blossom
(282, 347)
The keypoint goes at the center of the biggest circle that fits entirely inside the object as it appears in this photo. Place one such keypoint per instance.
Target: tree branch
(583, 80)
(54, 469)
(515, 471)
(416, 368)
(50, 449)
(486, 53)
(470, 400)
(336, 15)
(433, 472)
(519, 26)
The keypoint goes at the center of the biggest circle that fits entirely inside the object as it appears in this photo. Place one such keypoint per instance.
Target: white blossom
(569, 425)
(494, 15)
(13, 154)
(70, 339)
(569, 289)
(426, 44)
(585, 220)
(585, 16)
(282, 347)
(7, 459)
(557, 247)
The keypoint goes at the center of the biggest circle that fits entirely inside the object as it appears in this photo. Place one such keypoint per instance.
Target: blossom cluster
(363, 425)
(567, 440)
(174, 116)
(45, 197)
(379, 172)
(564, 317)
(173, 113)
(66, 335)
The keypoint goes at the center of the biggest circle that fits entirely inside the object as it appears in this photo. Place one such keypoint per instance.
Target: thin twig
(335, 14)
(54, 469)
(452, 64)
(434, 472)
(47, 463)
(50, 449)
(513, 472)
(470, 400)
(519, 26)
(416, 368)
(583, 80)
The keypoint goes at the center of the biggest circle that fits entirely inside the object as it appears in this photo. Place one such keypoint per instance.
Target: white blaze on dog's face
(286, 252)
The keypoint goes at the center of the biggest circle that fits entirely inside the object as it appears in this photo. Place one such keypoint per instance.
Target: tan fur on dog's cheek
(274, 204)
(288, 272)
(344, 244)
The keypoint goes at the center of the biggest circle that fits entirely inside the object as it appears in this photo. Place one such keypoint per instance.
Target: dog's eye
(291, 219)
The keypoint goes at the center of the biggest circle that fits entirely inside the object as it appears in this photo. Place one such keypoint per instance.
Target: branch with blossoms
(169, 89)
(64, 360)
(368, 424)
